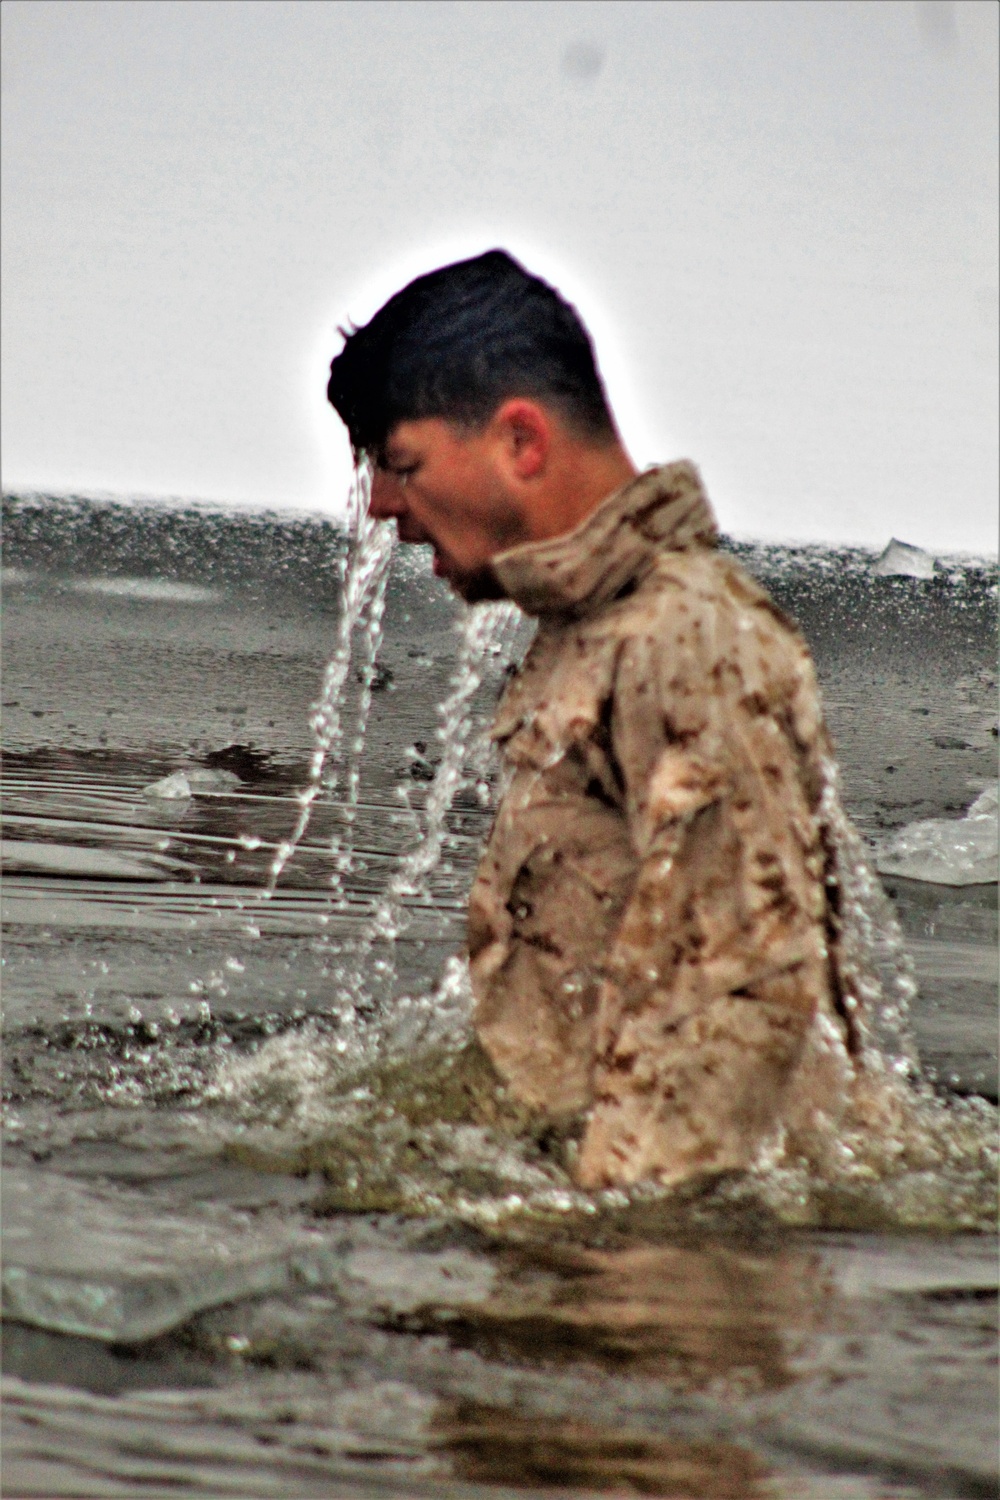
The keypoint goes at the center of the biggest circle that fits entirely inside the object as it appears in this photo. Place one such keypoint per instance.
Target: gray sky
(779, 218)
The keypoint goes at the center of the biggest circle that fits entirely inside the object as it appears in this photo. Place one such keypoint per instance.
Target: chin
(477, 587)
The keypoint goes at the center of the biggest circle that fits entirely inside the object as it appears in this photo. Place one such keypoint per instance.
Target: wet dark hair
(459, 341)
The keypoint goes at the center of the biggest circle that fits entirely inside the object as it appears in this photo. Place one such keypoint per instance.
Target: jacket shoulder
(697, 583)
(699, 625)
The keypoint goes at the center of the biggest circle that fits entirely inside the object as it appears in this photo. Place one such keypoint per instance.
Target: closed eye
(400, 472)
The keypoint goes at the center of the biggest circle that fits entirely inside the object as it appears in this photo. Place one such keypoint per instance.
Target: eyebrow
(389, 458)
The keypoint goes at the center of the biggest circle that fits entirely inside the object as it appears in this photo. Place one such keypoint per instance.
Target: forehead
(421, 435)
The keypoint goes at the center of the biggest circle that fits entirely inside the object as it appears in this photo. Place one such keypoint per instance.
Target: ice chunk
(125, 1271)
(170, 787)
(987, 804)
(109, 1261)
(903, 560)
(212, 781)
(188, 782)
(947, 851)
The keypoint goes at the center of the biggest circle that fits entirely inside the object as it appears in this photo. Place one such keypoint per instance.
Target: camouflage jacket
(652, 938)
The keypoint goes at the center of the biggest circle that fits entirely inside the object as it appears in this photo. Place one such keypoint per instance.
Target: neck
(580, 478)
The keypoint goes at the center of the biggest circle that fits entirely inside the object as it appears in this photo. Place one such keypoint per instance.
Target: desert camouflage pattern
(653, 927)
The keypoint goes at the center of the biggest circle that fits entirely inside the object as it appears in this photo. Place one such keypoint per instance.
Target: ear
(525, 430)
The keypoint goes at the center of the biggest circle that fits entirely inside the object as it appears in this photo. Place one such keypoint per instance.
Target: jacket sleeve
(719, 960)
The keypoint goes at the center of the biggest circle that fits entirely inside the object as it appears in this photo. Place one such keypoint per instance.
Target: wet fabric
(653, 932)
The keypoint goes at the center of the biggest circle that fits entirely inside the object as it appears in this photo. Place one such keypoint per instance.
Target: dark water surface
(180, 1322)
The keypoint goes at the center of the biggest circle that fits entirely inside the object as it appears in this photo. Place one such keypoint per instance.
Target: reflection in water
(692, 1317)
(488, 1446)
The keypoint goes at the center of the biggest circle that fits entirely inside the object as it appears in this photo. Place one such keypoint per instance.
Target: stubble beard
(479, 586)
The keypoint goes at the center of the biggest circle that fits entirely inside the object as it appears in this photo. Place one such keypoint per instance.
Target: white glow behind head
(362, 303)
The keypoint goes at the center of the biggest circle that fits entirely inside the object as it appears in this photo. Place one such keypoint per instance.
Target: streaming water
(364, 580)
(371, 625)
(295, 1081)
(485, 631)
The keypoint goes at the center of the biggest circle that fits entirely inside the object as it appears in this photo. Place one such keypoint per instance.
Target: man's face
(448, 486)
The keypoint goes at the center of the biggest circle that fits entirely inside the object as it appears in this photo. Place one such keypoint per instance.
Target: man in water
(653, 931)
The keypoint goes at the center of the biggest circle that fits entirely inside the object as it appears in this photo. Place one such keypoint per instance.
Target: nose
(387, 501)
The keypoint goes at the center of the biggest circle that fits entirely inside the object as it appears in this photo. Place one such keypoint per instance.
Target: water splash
(484, 632)
(365, 576)
(877, 970)
(295, 1081)
(371, 626)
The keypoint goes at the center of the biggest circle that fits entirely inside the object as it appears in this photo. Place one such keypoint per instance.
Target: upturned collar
(578, 572)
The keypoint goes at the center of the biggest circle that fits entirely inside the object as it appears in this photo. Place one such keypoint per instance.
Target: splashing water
(342, 842)
(873, 955)
(298, 1087)
(370, 640)
(365, 577)
(484, 630)
(293, 1081)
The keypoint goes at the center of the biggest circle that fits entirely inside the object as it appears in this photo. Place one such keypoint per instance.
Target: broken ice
(947, 851)
(903, 560)
(189, 782)
(174, 786)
